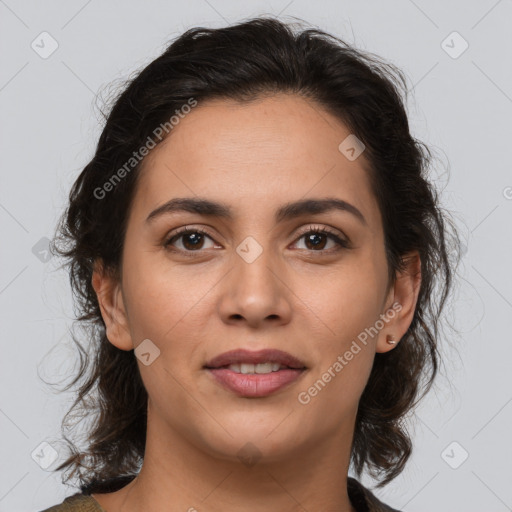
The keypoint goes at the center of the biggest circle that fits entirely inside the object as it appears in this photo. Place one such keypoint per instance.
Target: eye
(317, 238)
(193, 239)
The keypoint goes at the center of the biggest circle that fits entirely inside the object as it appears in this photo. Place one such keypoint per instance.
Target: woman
(262, 263)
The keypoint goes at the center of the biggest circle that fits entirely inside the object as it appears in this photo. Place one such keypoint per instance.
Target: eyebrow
(287, 211)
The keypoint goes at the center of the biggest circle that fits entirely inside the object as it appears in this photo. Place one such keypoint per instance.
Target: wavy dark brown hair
(245, 61)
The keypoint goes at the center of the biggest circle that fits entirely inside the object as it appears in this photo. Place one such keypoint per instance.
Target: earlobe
(110, 299)
(404, 297)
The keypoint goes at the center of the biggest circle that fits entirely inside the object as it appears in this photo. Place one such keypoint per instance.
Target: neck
(179, 475)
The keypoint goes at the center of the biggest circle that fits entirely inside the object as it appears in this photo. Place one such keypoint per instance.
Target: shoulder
(364, 500)
(83, 501)
(361, 498)
(78, 502)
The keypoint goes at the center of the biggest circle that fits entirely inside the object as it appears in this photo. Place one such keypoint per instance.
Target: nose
(255, 294)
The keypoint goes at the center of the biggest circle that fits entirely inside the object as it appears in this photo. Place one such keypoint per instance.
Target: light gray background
(462, 107)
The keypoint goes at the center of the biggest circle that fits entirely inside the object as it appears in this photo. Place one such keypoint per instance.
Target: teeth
(255, 368)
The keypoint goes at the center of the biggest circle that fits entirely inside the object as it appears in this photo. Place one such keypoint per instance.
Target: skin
(295, 297)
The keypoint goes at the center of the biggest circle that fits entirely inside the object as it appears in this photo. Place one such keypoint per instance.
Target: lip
(255, 385)
(239, 356)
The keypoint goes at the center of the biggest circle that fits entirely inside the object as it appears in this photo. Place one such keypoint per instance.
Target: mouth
(255, 374)
(266, 360)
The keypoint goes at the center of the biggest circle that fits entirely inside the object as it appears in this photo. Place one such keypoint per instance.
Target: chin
(253, 439)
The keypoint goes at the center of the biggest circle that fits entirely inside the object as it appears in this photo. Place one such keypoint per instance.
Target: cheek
(164, 306)
(348, 309)
(333, 394)
(169, 306)
(164, 299)
(344, 360)
(346, 301)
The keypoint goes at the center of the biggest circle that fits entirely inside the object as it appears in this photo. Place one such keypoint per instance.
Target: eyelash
(342, 243)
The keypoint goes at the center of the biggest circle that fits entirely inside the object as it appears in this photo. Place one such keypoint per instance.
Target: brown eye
(194, 239)
(316, 240)
(191, 239)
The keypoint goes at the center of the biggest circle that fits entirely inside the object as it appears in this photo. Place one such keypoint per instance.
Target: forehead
(260, 153)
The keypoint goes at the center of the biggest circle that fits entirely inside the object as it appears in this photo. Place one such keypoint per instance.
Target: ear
(401, 302)
(110, 298)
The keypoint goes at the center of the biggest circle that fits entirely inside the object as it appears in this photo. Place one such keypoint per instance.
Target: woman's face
(258, 279)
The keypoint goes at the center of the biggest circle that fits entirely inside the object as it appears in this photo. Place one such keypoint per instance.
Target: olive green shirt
(362, 499)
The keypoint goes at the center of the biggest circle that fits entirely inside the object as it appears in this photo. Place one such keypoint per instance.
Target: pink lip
(239, 356)
(255, 385)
